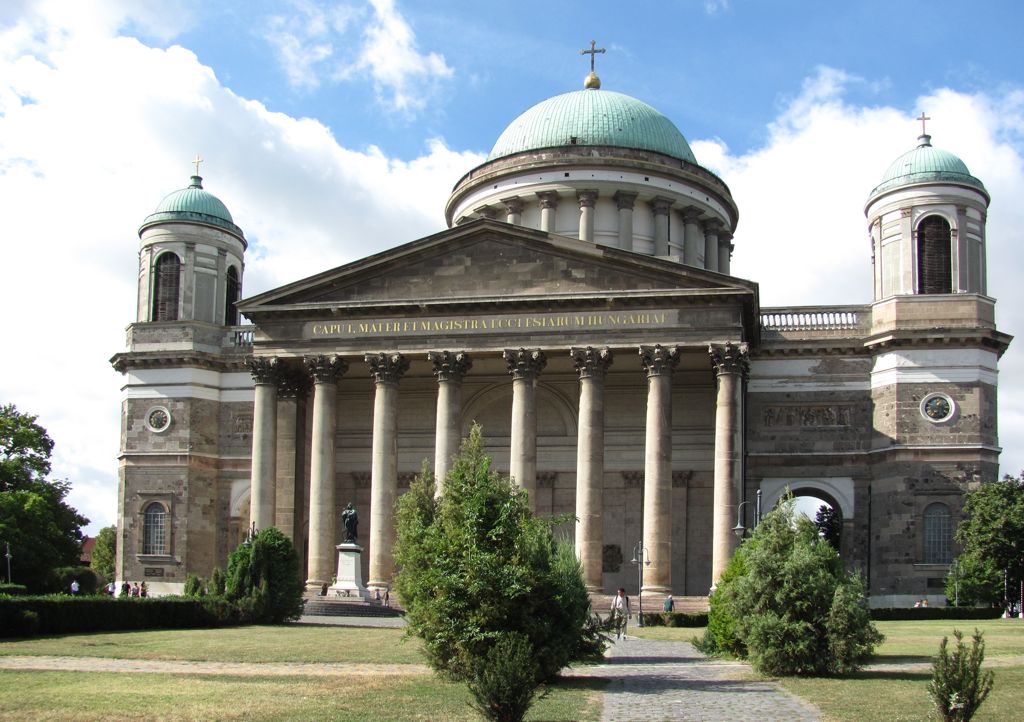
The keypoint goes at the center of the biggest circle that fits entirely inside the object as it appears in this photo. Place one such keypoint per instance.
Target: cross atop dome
(592, 82)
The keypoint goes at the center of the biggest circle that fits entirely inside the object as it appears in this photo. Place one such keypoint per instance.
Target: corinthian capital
(586, 198)
(450, 365)
(730, 359)
(264, 369)
(658, 360)
(291, 383)
(326, 369)
(548, 199)
(591, 362)
(387, 367)
(524, 363)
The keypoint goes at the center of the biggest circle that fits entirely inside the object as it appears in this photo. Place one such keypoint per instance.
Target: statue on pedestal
(350, 518)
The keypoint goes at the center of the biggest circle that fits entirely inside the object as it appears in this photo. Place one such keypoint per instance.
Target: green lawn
(285, 643)
(67, 695)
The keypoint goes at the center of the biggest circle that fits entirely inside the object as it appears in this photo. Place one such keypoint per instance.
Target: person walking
(669, 604)
(620, 613)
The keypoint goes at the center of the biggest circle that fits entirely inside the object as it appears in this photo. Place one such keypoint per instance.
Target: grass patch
(667, 634)
(119, 696)
(284, 643)
(895, 695)
(67, 695)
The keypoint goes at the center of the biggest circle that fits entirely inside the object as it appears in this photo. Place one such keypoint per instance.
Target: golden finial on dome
(592, 82)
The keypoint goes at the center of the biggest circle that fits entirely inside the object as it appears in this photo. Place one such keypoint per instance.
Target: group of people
(127, 590)
(386, 600)
(621, 612)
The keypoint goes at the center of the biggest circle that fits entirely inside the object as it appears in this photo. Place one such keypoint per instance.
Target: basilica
(580, 307)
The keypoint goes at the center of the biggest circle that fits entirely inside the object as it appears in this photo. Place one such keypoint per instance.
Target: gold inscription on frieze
(488, 323)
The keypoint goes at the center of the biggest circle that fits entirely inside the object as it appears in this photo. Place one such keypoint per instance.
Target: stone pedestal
(350, 573)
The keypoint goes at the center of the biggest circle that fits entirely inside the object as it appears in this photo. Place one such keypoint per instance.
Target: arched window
(231, 297)
(166, 282)
(934, 256)
(154, 529)
(938, 534)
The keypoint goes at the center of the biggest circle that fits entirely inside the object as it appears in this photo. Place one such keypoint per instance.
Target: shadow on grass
(902, 659)
(587, 684)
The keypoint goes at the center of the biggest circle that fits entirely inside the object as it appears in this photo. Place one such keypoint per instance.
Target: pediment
(488, 260)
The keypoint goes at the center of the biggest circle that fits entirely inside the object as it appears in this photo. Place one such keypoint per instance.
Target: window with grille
(166, 282)
(231, 297)
(934, 256)
(154, 530)
(938, 534)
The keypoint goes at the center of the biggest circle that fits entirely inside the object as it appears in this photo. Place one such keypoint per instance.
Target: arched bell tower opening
(934, 255)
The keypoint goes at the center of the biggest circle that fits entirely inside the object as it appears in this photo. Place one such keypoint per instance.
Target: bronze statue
(350, 518)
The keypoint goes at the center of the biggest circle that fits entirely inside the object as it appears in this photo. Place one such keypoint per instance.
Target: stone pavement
(653, 680)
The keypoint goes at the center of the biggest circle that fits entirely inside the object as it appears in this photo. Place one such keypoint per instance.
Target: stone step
(652, 602)
(328, 607)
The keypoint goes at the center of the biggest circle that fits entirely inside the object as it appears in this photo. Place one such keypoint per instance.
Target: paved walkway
(651, 680)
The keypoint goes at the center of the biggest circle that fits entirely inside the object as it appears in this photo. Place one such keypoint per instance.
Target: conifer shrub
(265, 579)
(193, 586)
(958, 686)
(787, 606)
(218, 583)
(483, 582)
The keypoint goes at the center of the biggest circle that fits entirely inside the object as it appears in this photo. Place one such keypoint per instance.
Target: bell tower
(927, 224)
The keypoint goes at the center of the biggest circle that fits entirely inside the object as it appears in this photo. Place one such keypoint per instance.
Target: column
(548, 206)
(386, 370)
(291, 458)
(659, 363)
(325, 372)
(725, 249)
(625, 202)
(591, 365)
(693, 238)
(711, 229)
(513, 211)
(587, 199)
(660, 208)
(730, 364)
(265, 372)
(449, 369)
(524, 366)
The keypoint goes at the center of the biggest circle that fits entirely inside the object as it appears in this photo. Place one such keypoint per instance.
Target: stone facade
(588, 321)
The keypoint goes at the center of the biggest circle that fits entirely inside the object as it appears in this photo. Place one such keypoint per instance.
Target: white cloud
(713, 7)
(94, 130)
(311, 43)
(802, 233)
(404, 77)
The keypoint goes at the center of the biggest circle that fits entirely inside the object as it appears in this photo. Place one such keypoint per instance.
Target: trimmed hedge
(676, 619)
(13, 589)
(27, 616)
(903, 614)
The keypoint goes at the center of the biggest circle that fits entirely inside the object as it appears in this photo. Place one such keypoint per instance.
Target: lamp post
(8, 555)
(739, 530)
(640, 557)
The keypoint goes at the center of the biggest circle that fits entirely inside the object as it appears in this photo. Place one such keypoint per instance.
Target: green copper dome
(193, 204)
(926, 164)
(592, 117)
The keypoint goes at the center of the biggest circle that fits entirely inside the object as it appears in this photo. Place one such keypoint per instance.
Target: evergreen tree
(787, 605)
(483, 580)
(265, 578)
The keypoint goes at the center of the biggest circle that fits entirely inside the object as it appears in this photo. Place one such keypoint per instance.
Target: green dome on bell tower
(193, 204)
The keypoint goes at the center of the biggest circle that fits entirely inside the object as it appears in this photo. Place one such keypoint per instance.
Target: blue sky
(335, 129)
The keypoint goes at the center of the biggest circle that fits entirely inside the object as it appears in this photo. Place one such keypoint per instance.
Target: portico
(397, 382)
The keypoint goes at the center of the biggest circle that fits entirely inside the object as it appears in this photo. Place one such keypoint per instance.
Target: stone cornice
(229, 362)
